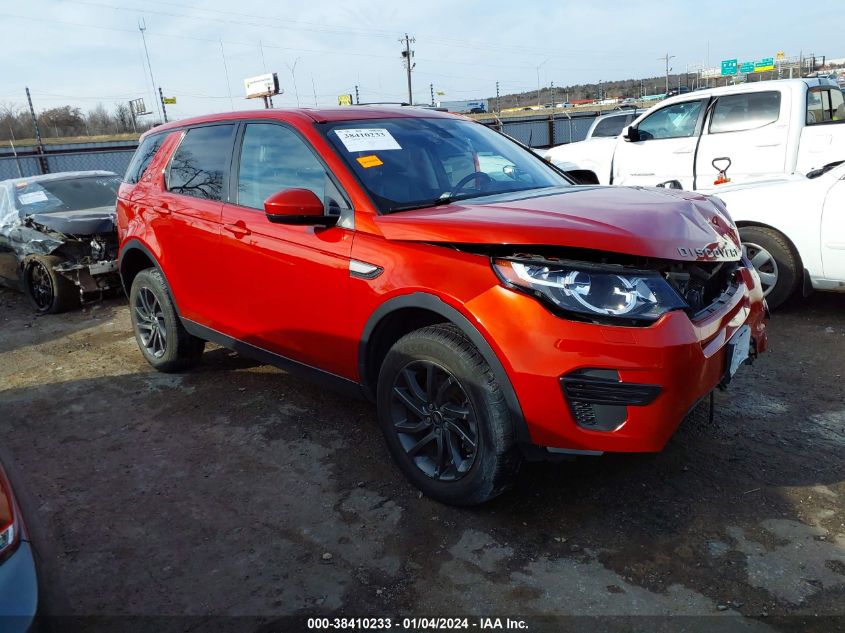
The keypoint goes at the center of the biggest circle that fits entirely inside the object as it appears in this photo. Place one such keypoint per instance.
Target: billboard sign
(138, 107)
(265, 85)
(344, 100)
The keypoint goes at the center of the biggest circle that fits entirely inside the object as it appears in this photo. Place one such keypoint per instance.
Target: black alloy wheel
(434, 420)
(149, 319)
(41, 286)
(48, 290)
(161, 336)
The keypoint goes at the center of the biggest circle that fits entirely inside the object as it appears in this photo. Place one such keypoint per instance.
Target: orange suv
(490, 308)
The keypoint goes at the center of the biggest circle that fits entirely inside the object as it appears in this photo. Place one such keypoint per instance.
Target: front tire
(161, 337)
(444, 417)
(49, 292)
(776, 263)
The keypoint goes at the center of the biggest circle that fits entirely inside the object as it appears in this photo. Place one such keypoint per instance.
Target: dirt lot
(239, 490)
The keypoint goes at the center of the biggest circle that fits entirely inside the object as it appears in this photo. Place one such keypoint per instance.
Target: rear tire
(49, 292)
(777, 264)
(444, 417)
(161, 337)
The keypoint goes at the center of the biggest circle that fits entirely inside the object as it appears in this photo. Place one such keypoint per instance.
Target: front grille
(704, 285)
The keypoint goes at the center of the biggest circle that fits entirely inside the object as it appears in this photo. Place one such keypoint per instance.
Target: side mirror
(670, 184)
(631, 134)
(297, 206)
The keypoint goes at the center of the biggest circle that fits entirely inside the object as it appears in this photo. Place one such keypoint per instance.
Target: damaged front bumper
(93, 279)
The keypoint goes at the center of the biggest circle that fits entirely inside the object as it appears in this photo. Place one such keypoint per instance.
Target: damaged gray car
(58, 242)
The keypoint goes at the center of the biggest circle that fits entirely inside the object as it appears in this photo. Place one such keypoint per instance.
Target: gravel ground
(238, 490)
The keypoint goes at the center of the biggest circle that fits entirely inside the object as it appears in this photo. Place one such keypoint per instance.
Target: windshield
(611, 126)
(71, 194)
(410, 163)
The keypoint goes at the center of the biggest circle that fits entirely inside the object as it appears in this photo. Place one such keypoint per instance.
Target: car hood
(661, 223)
(82, 222)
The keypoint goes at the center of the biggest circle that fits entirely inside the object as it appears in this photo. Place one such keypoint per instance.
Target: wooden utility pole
(408, 55)
(666, 59)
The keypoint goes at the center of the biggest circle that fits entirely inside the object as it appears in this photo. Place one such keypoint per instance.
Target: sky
(85, 52)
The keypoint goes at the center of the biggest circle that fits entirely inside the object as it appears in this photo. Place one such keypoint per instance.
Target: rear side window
(611, 126)
(824, 106)
(142, 158)
(736, 113)
(200, 164)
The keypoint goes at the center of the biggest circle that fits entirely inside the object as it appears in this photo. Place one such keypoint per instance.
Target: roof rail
(396, 103)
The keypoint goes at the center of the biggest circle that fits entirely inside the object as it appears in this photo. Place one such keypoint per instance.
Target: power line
(259, 24)
(142, 26)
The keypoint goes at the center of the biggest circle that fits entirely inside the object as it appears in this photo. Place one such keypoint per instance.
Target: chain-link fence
(544, 130)
(26, 164)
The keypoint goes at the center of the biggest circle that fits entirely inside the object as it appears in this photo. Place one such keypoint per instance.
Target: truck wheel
(48, 291)
(774, 260)
(445, 418)
(159, 332)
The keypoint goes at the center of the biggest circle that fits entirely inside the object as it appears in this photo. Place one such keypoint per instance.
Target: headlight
(587, 290)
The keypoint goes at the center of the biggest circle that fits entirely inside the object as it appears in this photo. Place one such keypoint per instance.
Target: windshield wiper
(439, 202)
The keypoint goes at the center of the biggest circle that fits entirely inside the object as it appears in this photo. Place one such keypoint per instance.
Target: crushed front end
(622, 374)
(89, 261)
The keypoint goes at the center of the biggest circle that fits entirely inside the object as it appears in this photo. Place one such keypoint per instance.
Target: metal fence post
(42, 160)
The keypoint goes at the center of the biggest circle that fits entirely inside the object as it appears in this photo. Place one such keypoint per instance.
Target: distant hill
(610, 89)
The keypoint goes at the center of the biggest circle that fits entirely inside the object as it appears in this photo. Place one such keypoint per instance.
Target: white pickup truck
(764, 128)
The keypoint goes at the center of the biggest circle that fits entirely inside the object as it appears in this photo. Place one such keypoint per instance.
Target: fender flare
(433, 303)
(137, 245)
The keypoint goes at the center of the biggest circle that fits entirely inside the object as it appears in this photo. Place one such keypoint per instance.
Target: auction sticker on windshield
(32, 197)
(367, 139)
(369, 161)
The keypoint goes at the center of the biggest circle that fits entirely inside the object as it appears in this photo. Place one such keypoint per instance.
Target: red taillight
(9, 535)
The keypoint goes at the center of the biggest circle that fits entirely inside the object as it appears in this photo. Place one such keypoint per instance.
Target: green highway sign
(729, 67)
(767, 63)
(746, 67)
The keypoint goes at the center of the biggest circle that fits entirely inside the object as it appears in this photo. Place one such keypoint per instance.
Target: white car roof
(755, 86)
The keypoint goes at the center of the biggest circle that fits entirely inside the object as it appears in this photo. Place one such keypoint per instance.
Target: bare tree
(122, 117)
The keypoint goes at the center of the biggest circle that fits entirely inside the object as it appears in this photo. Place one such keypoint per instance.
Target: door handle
(163, 208)
(238, 229)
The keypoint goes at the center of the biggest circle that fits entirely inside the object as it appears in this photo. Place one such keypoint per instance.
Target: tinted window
(274, 158)
(70, 194)
(143, 157)
(200, 164)
(674, 121)
(734, 113)
(824, 106)
(611, 126)
(412, 162)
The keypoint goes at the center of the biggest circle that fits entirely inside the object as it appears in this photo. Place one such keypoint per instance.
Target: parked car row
(491, 309)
